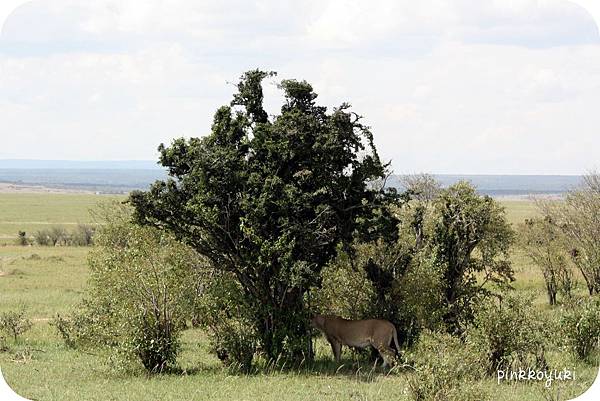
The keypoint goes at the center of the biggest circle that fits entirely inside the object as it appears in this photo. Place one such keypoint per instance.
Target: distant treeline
(81, 235)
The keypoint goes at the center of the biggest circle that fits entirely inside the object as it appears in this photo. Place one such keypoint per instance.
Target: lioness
(358, 333)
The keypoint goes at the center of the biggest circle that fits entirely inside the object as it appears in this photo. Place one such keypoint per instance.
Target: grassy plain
(51, 280)
(34, 211)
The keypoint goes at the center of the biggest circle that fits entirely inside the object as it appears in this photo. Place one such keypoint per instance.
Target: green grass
(31, 212)
(519, 210)
(50, 280)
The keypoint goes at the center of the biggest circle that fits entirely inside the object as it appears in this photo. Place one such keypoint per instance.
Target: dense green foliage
(433, 273)
(268, 199)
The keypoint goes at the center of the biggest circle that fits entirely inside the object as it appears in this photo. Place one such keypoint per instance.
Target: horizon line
(155, 165)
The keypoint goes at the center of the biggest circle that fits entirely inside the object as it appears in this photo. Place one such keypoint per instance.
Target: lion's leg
(336, 348)
(387, 354)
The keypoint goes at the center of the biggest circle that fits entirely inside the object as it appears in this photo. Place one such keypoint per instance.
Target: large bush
(509, 333)
(411, 299)
(447, 253)
(142, 289)
(444, 369)
(470, 238)
(581, 327)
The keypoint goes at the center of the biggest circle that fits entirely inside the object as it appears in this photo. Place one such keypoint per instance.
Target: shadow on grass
(356, 368)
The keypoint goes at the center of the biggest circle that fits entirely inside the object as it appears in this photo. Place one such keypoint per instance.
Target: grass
(30, 212)
(51, 280)
(519, 209)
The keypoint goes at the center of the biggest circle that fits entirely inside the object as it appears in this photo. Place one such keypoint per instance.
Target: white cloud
(448, 86)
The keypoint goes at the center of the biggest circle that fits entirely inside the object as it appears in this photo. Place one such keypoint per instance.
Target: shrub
(223, 312)
(142, 284)
(509, 333)
(83, 235)
(581, 326)
(470, 238)
(345, 291)
(544, 244)
(418, 295)
(577, 218)
(14, 323)
(72, 329)
(368, 287)
(42, 237)
(52, 236)
(234, 342)
(58, 236)
(22, 239)
(444, 367)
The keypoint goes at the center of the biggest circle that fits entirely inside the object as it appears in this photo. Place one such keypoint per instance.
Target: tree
(423, 187)
(544, 244)
(470, 239)
(269, 198)
(579, 218)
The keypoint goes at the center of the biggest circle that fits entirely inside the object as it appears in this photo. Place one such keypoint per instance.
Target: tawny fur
(358, 333)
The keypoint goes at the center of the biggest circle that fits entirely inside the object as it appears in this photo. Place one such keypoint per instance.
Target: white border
(8, 6)
(7, 393)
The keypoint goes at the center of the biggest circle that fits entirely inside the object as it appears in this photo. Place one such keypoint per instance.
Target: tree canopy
(269, 198)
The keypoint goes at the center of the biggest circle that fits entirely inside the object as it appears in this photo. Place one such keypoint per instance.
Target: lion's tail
(395, 333)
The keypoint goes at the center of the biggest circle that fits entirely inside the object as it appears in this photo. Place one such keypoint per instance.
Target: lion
(358, 333)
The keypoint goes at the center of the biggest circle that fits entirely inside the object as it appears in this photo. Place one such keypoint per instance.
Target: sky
(448, 87)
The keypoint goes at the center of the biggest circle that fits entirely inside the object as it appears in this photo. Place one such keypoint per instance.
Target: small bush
(581, 327)
(58, 236)
(234, 342)
(52, 236)
(22, 239)
(222, 312)
(71, 329)
(509, 333)
(3, 347)
(83, 235)
(14, 323)
(445, 368)
(345, 291)
(408, 293)
(42, 237)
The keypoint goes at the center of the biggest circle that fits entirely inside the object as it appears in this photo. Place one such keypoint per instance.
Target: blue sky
(462, 86)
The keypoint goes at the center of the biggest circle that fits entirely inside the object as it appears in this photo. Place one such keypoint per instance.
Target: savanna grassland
(51, 280)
